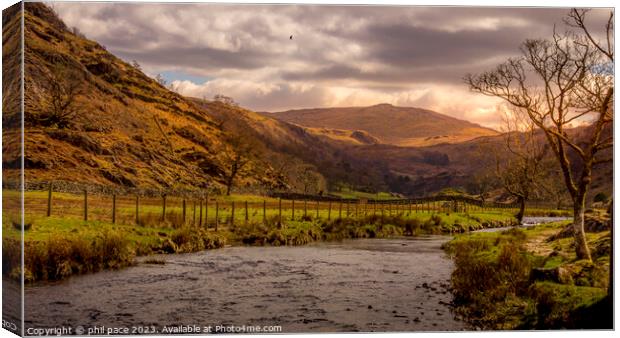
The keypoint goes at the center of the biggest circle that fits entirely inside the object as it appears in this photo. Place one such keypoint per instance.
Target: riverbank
(56, 247)
(529, 278)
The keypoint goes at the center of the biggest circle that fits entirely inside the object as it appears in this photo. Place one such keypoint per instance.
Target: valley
(210, 198)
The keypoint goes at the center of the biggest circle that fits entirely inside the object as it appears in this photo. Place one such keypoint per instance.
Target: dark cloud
(203, 57)
(338, 53)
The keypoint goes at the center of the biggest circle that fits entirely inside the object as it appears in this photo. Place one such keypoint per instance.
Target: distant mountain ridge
(402, 126)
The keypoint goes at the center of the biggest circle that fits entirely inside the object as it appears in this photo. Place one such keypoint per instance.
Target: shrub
(59, 257)
(601, 197)
(436, 219)
(189, 239)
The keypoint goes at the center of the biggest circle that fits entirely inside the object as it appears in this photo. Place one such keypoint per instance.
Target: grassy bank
(59, 246)
(55, 248)
(530, 279)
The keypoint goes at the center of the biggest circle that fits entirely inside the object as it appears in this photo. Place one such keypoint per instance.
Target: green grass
(66, 227)
(494, 288)
(354, 194)
(44, 227)
(59, 247)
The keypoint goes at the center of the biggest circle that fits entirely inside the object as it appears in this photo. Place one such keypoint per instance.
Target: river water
(354, 285)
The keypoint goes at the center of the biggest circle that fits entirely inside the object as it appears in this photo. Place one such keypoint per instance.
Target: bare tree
(160, 79)
(173, 87)
(309, 179)
(552, 187)
(136, 65)
(519, 161)
(556, 82)
(484, 180)
(58, 100)
(225, 99)
(243, 152)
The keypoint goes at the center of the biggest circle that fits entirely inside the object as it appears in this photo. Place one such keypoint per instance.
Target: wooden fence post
(317, 209)
(217, 215)
(340, 209)
(264, 212)
(184, 212)
(194, 213)
(280, 210)
(232, 214)
(49, 200)
(85, 205)
(137, 209)
(163, 213)
(293, 210)
(305, 208)
(356, 205)
(206, 212)
(200, 214)
(247, 216)
(329, 211)
(113, 208)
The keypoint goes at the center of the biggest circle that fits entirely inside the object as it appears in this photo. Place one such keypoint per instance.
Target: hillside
(119, 127)
(418, 171)
(402, 126)
(308, 161)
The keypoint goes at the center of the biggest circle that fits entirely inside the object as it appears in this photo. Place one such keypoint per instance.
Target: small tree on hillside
(309, 179)
(243, 152)
(225, 99)
(556, 82)
(58, 100)
(136, 65)
(160, 79)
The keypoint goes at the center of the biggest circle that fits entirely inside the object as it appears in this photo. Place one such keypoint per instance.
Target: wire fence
(214, 211)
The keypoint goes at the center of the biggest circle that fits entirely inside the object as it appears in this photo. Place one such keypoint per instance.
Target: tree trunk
(581, 246)
(521, 212)
(231, 178)
(228, 186)
(610, 288)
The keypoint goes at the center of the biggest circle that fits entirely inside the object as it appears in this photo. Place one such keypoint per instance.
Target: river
(364, 285)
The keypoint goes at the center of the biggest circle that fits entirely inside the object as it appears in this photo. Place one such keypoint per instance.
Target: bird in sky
(291, 37)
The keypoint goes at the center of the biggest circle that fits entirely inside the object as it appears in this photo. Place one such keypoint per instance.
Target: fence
(214, 211)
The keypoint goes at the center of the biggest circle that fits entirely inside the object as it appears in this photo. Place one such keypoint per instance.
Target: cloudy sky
(339, 55)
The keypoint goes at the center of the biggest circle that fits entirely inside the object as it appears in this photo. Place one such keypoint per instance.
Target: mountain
(93, 118)
(402, 126)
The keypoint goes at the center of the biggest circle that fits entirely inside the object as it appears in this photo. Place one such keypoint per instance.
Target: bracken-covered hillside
(93, 118)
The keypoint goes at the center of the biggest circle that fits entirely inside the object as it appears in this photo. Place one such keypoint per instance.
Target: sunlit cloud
(338, 55)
